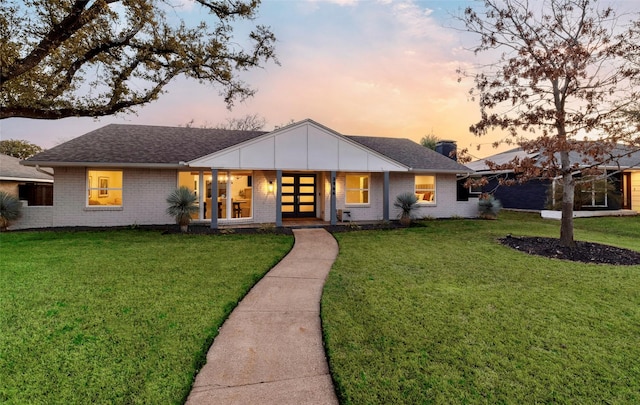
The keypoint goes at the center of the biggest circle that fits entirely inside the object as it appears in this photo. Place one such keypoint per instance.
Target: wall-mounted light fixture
(270, 187)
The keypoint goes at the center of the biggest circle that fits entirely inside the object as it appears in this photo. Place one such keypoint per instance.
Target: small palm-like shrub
(408, 203)
(489, 206)
(10, 209)
(182, 205)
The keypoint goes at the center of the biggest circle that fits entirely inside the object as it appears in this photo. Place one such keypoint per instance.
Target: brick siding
(145, 192)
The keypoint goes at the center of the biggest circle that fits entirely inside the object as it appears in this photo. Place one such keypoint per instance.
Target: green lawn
(118, 316)
(444, 314)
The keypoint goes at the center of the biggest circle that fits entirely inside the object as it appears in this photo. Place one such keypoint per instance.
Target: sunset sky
(381, 68)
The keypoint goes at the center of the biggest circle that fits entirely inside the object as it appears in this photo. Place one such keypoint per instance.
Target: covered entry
(305, 158)
(298, 195)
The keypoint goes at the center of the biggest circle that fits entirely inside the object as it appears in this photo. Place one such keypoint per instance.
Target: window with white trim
(235, 193)
(104, 188)
(593, 191)
(425, 189)
(357, 189)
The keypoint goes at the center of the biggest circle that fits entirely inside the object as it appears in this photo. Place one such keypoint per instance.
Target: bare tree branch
(569, 74)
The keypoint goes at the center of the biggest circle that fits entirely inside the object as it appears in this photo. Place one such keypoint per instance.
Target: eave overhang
(106, 165)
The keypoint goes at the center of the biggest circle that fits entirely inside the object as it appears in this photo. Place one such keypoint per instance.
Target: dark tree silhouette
(65, 58)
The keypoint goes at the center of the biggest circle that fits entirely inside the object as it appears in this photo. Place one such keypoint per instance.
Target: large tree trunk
(566, 225)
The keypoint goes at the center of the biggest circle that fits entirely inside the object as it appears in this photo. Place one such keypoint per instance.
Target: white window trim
(593, 192)
(435, 189)
(348, 204)
(473, 193)
(87, 188)
(229, 174)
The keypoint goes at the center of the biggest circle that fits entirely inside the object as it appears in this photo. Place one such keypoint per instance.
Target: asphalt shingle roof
(409, 153)
(622, 157)
(145, 144)
(118, 143)
(10, 168)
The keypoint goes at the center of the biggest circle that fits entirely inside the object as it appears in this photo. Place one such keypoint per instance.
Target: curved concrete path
(270, 349)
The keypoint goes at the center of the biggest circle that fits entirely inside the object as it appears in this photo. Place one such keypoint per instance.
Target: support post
(214, 198)
(278, 198)
(334, 213)
(385, 197)
(202, 213)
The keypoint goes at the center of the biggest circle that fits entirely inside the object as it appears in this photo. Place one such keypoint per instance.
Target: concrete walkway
(270, 350)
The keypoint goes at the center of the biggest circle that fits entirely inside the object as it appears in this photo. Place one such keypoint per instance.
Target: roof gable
(305, 145)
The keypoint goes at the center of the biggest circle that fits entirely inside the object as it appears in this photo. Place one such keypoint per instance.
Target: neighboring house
(623, 174)
(122, 175)
(29, 184)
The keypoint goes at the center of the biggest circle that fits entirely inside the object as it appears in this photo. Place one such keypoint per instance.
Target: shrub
(10, 209)
(267, 228)
(182, 205)
(408, 203)
(489, 206)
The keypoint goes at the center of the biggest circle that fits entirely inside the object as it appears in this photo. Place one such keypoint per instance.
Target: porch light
(270, 187)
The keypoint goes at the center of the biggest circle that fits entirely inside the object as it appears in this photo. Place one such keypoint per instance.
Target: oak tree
(563, 80)
(64, 58)
(20, 149)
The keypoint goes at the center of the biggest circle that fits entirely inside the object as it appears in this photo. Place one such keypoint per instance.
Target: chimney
(448, 149)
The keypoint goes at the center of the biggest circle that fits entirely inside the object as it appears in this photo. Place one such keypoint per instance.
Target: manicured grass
(444, 314)
(118, 317)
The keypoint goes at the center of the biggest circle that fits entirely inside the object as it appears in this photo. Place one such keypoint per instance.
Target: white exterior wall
(468, 209)
(446, 205)
(368, 212)
(34, 217)
(324, 196)
(144, 194)
(264, 203)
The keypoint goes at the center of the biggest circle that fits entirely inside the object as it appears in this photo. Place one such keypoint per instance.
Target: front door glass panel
(298, 195)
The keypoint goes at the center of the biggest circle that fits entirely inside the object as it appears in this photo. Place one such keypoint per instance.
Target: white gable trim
(305, 145)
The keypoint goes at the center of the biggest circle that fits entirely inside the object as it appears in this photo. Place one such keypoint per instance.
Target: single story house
(623, 174)
(32, 185)
(121, 175)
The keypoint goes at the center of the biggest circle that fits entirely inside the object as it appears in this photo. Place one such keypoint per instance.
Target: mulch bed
(585, 252)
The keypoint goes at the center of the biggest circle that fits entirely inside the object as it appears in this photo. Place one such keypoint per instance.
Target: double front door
(298, 195)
